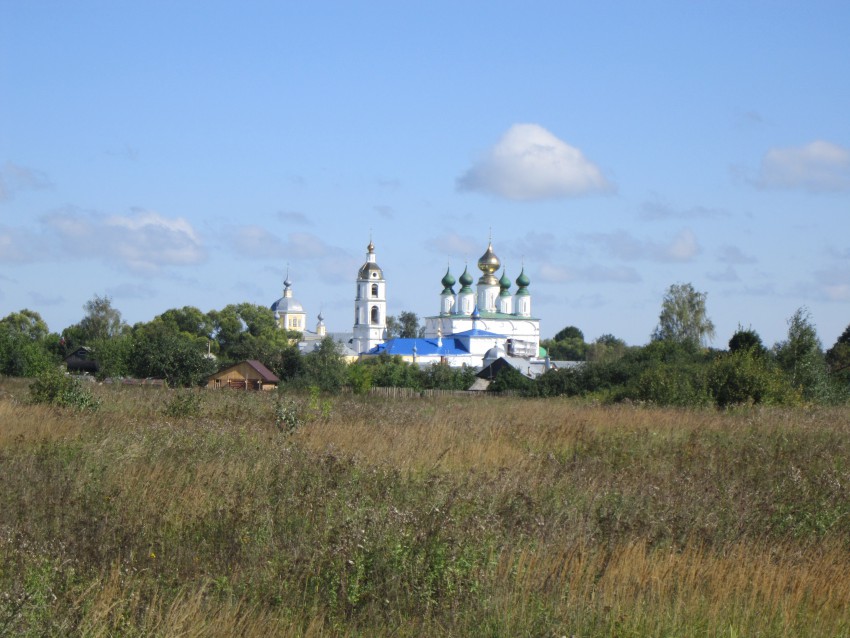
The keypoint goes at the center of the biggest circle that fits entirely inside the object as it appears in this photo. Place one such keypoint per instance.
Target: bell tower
(370, 304)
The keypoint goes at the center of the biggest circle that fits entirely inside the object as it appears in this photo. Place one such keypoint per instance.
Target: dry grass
(427, 517)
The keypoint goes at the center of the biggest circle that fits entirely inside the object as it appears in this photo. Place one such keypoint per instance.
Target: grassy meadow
(220, 513)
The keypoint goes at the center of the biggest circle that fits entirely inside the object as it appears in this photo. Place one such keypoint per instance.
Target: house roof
(475, 332)
(532, 369)
(266, 375)
(424, 347)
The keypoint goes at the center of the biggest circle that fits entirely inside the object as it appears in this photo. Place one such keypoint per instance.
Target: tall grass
(437, 517)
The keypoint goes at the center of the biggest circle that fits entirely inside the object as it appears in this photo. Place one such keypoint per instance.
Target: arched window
(374, 290)
(376, 316)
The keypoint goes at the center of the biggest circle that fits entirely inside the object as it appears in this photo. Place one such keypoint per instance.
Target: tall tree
(101, 321)
(746, 341)
(838, 357)
(24, 347)
(405, 326)
(683, 317)
(410, 328)
(801, 357)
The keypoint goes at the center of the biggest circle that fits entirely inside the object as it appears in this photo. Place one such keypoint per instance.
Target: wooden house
(81, 361)
(245, 375)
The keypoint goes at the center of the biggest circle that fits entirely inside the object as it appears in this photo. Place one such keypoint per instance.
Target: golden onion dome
(488, 264)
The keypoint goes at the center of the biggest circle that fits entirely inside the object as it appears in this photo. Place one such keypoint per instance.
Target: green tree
(324, 368)
(570, 332)
(801, 358)
(25, 344)
(27, 323)
(683, 317)
(391, 371)
(606, 348)
(248, 331)
(405, 326)
(838, 358)
(747, 341)
(745, 376)
(190, 320)
(101, 321)
(163, 353)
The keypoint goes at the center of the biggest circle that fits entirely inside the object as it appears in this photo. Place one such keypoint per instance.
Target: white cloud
(255, 242)
(551, 273)
(816, 167)
(18, 245)
(682, 247)
(530, 163)
(15, 178)
(834, 284)
(143, 241)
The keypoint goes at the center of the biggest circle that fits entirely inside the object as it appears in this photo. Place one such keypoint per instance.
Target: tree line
(184, 346)
(677, 368)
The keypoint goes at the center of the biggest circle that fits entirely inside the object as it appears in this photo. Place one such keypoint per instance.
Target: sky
(190, 153)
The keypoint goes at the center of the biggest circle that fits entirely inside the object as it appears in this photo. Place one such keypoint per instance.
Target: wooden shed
(81, 361)
(245, 375)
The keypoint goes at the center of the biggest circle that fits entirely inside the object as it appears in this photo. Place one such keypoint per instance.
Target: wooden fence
(407, 393)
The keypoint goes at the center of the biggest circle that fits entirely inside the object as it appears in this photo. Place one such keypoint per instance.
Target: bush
(670, 384)
(744, 376)
(53, 387)
(183, 404)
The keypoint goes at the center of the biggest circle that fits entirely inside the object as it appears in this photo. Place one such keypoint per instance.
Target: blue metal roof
(475, 332)
(424, 347)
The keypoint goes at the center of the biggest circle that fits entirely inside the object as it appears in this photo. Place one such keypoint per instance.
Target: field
(177, 513)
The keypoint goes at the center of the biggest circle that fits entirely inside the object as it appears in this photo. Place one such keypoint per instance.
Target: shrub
(287, 415)
(53, 387)
(670, 384)
(744, 376)
(183, 404)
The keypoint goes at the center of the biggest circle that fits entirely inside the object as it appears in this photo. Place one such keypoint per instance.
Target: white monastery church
(473, 327)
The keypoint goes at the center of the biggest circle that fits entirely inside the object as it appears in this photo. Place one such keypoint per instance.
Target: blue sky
(183, 153)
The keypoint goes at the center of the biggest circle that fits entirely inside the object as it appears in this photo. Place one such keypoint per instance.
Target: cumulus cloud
(682, 247)
(816, 167)
(255, 242)
(834, 283)
(530, 163)
(143, 241)
(15, 178)
(18, 245)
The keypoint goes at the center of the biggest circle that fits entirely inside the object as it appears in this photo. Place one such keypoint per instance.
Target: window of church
(376, 315)
(374, 290)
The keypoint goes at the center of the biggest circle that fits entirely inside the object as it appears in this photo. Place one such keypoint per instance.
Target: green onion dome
(448, 281)
(523, 281)
(466, 280)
